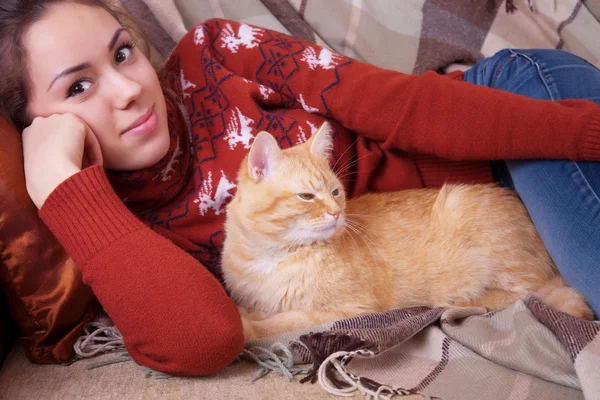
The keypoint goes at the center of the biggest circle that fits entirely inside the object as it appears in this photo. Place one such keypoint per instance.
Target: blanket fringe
(278, 358)
(321, 344)
(98, 337)
(333, 387)
(125, 357)
(370, 390)
(102, 336)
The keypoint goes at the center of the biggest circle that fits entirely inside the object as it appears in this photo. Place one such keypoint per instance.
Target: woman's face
(80, 60)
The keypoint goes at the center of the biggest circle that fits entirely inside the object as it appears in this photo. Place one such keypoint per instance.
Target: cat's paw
(243, 312)
(249, 330)
(252, 315)
(247, 324)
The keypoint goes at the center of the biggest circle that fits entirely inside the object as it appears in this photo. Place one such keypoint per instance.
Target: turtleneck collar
(149, 189)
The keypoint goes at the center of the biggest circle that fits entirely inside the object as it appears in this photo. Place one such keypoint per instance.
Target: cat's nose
(334, 213)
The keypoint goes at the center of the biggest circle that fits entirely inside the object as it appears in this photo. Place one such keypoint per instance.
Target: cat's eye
(306, 196)
(335, 193)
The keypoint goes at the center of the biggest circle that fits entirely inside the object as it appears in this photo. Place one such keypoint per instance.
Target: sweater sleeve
(173, 314)
(426, 114)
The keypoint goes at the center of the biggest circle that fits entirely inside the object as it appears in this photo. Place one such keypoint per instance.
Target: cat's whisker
(343, 166)
(350, 173)
(351, 237)
(353, 229)
(346, 166)
(364, 232)
(365, 229)
(345, 151)
(351, 163)
(365, 240)
(359, 225)
(341, 177)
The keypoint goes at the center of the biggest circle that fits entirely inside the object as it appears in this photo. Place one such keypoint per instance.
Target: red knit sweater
(148, 262)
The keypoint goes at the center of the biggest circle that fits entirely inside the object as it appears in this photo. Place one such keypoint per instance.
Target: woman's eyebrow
(69, 71)
(83, 66)
(114, 39)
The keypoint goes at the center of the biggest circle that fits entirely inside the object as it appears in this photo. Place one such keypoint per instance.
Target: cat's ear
(264, 156)
(321, 143)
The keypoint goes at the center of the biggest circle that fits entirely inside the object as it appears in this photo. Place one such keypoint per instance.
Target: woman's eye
(123, 53)
(335, 193)
(306, 196)
(78, 88)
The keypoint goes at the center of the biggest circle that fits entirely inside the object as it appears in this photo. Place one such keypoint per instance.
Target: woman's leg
(562, 197)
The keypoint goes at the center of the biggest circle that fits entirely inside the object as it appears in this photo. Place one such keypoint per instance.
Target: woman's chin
(140, 158)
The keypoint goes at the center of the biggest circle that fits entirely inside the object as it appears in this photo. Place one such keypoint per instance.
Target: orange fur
(289, 264)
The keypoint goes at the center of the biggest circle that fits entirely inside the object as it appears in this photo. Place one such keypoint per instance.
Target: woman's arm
(174, 315)
(428, 114)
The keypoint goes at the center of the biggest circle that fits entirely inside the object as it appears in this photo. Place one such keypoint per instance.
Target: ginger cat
(297, 253)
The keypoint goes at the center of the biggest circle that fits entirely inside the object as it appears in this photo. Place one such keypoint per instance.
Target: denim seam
(486, 61)
(587, 183)
(542, 72)
(499, 70)
(483, 69)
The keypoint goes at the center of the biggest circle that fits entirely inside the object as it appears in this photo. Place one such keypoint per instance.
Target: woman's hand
(55, 148)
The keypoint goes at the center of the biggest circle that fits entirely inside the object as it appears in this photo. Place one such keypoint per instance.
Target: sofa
(407, 36)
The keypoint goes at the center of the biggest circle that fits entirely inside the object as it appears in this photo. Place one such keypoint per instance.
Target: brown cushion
(7, 330)
(42, 286)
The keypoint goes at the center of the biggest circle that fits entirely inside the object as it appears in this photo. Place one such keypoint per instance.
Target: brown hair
(16, 17)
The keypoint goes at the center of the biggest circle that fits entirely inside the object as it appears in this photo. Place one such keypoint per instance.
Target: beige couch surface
(22, 380)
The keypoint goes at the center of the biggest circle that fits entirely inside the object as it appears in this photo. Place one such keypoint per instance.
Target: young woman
(132, 173)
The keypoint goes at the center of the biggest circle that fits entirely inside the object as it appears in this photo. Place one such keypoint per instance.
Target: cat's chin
(308, 237)
(330, 232)
(327, 233)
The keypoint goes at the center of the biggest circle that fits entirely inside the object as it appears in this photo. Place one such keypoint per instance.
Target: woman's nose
(126, 90)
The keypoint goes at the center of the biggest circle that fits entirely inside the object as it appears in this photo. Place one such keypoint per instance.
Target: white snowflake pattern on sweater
(199, 36)
(165, 174)
(266, 92)
(246, 36)
(239, 130)
(305, 106)
(302, 135)
(206, 201)
(185, 85)
(326, 59)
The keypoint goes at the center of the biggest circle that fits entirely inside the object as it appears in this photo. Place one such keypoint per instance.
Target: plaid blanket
(526, 351)
(410, 36)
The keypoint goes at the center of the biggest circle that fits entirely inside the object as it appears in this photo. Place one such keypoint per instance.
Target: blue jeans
(562, 197)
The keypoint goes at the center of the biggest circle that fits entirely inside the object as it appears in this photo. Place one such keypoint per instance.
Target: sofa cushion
(42, 286)
(7, 330)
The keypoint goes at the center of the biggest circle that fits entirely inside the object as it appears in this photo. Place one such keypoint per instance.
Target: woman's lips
(143, 125)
